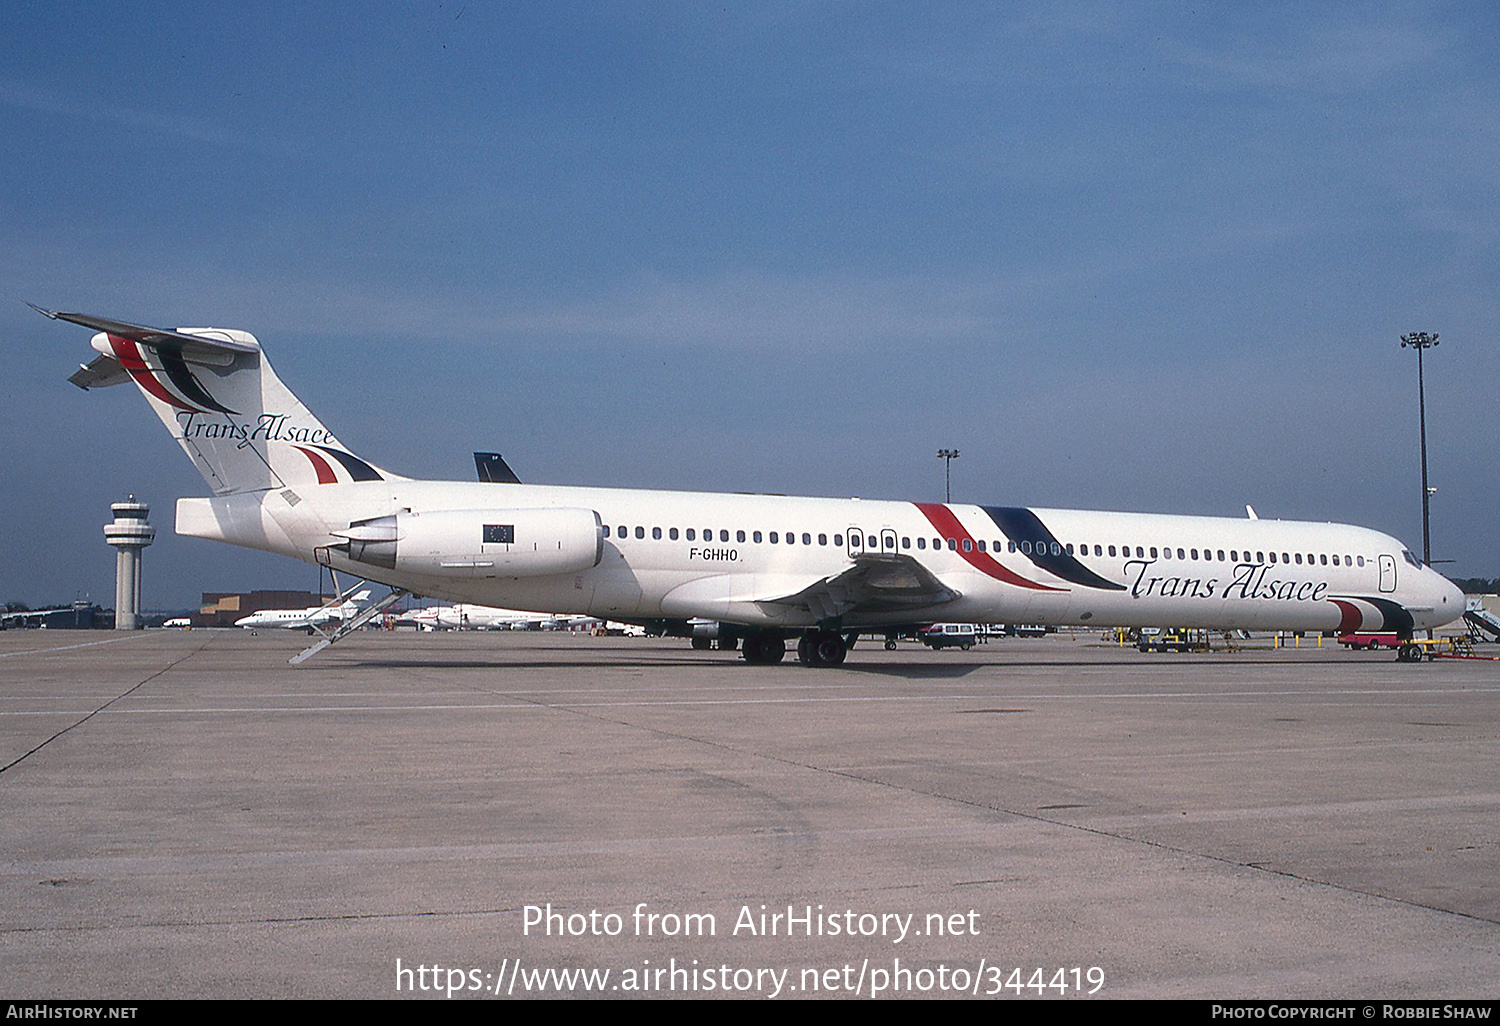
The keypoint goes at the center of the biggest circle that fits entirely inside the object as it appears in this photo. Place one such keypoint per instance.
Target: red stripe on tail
(325, 472)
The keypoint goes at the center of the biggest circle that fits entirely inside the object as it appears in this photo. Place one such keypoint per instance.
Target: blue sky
(1123, 256)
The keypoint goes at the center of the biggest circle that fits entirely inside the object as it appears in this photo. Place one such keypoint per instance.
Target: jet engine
(479, 542)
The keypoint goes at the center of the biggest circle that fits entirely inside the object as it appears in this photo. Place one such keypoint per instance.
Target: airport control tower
(129, 534)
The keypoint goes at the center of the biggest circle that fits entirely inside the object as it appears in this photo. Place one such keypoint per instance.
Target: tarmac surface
(185, 815)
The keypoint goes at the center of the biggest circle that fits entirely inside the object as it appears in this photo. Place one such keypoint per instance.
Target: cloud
(41, 101)
(1336, 58)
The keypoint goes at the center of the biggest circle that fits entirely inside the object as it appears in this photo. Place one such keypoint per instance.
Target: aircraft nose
(1451, 597)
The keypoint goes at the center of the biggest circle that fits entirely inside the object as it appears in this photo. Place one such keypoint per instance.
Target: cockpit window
(1410, 558)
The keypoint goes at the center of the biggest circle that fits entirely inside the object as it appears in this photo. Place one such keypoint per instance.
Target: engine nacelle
(480, 542)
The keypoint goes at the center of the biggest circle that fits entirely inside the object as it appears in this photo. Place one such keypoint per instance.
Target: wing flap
(876, 583)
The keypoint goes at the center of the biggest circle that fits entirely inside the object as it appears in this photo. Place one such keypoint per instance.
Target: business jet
(311, 616)
(767, 569)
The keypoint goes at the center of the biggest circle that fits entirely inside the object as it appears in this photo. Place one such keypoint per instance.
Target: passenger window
(806, 538)
(1010, 546)
(656, 533)
(952, 545)
(1260, 557)
(1221, 555)
(775, 537)
(1181, 554)
(823, 539)
(739, 536)
(723, 535)
(968, 545)
(921, 543)
(1322, 559)
(1140, 552)
(838, 540)
(672, 534)
(1099, 550)
(981, 545)
(1299, 559)
(1026, 547)
(1273, 557)
(905, 541)
(621, 531)
(1192, 553)
(1361, 560)
(1153, 552)
(606, 530)
(1111, 550)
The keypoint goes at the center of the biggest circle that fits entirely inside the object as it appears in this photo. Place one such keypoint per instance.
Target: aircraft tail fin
(219, 398)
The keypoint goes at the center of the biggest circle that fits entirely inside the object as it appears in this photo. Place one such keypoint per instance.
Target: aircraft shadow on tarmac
(905, 670)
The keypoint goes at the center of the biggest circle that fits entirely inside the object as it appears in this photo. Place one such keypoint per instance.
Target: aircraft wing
(876, 583)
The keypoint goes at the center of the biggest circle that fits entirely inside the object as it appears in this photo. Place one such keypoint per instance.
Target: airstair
(1480, 620)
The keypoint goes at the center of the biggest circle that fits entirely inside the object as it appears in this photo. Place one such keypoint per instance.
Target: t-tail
(218, 396)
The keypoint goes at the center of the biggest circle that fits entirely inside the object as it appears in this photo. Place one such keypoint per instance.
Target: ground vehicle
(947, 635)
(1370, 641)
(1172, 639)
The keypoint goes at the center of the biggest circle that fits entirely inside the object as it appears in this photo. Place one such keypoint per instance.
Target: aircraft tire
(890, 646)
(701, 644)
(829, 649)
(805, 650)
(764, 649)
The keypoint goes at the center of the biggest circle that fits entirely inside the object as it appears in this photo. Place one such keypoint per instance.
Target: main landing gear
(764, 648)
(822, 648)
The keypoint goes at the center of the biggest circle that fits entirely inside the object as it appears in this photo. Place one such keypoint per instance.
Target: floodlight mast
(1420, 340)
(947, 456)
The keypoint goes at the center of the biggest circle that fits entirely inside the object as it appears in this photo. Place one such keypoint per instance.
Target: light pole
(947, 456)
(1420, 340)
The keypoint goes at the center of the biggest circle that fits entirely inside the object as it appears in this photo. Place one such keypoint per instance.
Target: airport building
(223, 608)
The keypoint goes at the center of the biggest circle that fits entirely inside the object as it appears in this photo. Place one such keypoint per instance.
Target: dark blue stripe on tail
(357, 468)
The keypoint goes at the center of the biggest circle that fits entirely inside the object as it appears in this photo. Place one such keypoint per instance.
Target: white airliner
(311, 616)
(467, 616)
(766, 568)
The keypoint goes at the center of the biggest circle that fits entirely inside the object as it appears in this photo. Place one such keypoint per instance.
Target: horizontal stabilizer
(161, 338)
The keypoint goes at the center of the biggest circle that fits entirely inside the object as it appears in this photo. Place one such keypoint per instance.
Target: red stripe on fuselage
(942, 518)
(130, 358)
(1352, 619)
(325, 472)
